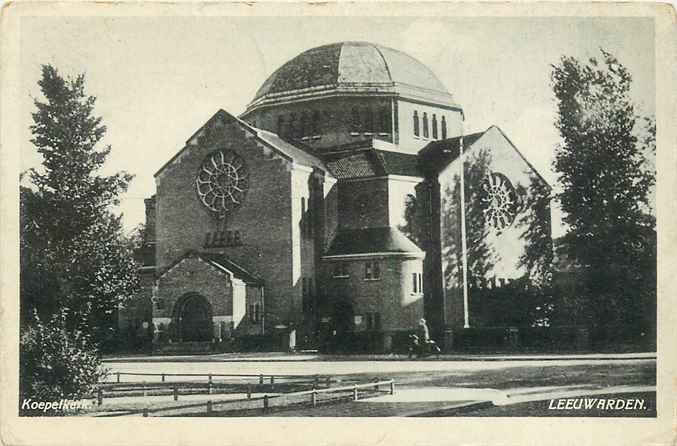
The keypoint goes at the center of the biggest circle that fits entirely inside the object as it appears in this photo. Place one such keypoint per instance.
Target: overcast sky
(158, 80)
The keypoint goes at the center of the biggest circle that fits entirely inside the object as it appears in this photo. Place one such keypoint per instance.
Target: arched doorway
(193, 318)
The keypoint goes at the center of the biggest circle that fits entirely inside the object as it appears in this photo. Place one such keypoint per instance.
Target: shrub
(56, 363)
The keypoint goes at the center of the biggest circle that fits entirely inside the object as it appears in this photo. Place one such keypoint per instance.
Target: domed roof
(357, 67)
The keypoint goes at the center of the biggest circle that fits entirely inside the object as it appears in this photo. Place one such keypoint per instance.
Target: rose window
(222, 182)
(500, 202)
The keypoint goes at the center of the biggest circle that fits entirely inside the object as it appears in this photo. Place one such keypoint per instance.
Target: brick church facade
(292, 220)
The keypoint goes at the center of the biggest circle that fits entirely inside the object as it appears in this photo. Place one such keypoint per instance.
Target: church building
(294, 219)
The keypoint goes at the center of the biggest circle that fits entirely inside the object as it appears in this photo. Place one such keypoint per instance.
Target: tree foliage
(605, 187)
(56, 363)
(74, 256)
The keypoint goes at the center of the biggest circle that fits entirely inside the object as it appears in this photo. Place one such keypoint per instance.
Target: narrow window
(367, 270)
(385, 120)
(355, 123)
(368, 120)
(377, 270)
(304, 124)
(417, 130)
(293, 126)
(280, 125)
(434, 126)
(340, 270)
(415, 282)
(425, 125)
(420, 282)
(315, 126)
(444, 128)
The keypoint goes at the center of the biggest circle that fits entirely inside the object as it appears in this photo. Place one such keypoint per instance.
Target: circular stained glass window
(222, 182)
(500, 202)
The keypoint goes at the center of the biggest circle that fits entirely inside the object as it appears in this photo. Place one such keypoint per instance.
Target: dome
(351, 67)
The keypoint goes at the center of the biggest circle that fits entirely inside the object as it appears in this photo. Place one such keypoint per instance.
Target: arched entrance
(193, 318)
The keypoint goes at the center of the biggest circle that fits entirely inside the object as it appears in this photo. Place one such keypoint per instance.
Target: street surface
(435, 387)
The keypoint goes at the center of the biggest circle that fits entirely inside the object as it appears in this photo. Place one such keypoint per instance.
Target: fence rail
(266, 399)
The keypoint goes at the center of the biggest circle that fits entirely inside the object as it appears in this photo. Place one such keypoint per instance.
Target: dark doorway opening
(193, 318)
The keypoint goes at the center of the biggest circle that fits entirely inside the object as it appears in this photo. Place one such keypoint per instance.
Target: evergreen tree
(605, 190)
(74, 257)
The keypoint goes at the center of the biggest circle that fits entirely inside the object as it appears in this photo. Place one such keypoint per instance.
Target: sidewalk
(295, 357)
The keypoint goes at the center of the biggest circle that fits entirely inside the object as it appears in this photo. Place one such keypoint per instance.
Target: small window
(417, 130)
(385, 120)
(293, 126)
(315, 123)
(355, 124)
(434, 126)
(425, 125)
(372, 271)
(341, 270)
(373, 321)
(420, 282)
(414, 282)
(280, 125)
(444, 128)
(368, 120)
(304, 128)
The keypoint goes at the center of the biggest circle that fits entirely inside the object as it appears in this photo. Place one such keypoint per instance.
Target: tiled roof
(350, 64)
(438, 154)
(359, 164)
(397, 163)
(371, 240)
(222, 261)
(294, 152)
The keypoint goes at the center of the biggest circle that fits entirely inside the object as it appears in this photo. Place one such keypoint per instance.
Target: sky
(158, 79)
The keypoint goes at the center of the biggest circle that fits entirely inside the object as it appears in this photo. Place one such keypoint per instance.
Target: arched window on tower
(304, 130)
(280, 125)
(368, 120)
(385, 120)
(444, 128)
(315, 123)
(292, 131)
(355, 124)
(434, 126)
(417, 130)
(425, 125)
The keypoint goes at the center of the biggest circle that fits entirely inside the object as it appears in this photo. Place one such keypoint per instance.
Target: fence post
(354, 392)
(145, 411)
(265, 403)
(176, 392)
(99, 396)
(376, 385)
(315, 380)
(209, 406)
(209, 385)
(313, 398)
(145, 391)
(328, 381)
(272, 382)
(392, 387)
(249, 391)
(163, 377)
(118, 376)
(261, 378)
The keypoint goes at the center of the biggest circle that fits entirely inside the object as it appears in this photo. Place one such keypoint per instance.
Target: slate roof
(438, 154)
(371, 240)
(294, 152)
(370, 162)
(220, 260)
(363, 65)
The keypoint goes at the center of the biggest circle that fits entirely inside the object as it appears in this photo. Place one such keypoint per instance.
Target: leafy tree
(605, 189)
(56, 363)
(74, 257)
